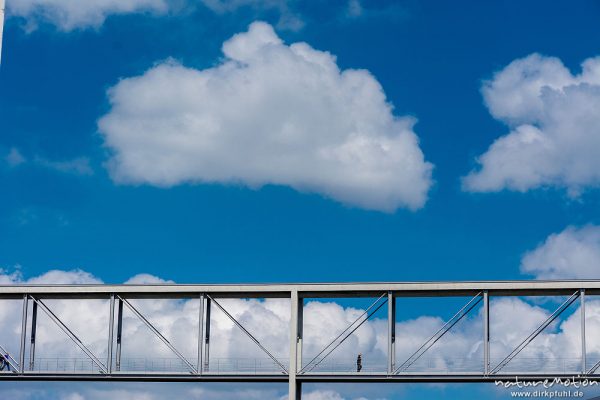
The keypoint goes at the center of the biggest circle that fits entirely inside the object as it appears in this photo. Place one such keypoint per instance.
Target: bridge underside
(323, 378)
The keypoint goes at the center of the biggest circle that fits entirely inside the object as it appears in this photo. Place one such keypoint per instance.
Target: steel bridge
(291, 369)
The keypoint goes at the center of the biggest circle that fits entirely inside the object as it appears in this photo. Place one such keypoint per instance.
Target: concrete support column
(295, 387)
(119, 335)
(207, 336)
(33, 333)
(300, 334)
(391, 333)
(111, 331)
(23, 334)
(200, 361)
(583, 349)
(486, 333)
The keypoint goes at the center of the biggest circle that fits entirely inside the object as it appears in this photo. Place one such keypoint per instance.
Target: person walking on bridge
(4, 362)
(359, 362)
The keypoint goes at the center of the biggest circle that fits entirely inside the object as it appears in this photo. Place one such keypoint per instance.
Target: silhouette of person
(4, 362)
(359, 362)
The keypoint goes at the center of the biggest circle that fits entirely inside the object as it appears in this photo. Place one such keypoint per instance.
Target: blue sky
(62, 207)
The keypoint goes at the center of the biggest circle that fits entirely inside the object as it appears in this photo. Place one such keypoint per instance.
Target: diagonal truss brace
(594, 368)
(456, 318)
(535, 333)
(159, 335)
(70, 334)
(11, 361)
(231, 317)
(310, 366)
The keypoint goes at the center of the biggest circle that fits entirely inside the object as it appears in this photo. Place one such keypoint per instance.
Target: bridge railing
(246, 366)
(258, 366)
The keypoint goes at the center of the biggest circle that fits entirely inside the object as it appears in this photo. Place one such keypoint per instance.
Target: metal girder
(207, 336)
(594, 368)
(33, 336)
(377, 304)
(294, 386)
(583, 343)
(111, 331)
(70, 334)
(309, 378)
(296, 293)
(159, 335)
(441, 332)
(236, 322)
(201, 324)
(119, 335)
(305, 290)
(23, 334)
(486, 332)
(535, 333)
(391, 355)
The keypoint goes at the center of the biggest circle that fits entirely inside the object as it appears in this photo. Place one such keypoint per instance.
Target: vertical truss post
(23, 334)
(486, 333)
(207, 336)
(391, 333)
(295, 387)
(200, 333)
(583, 350)
(300, 333)
(119, 335)
(111, 331)
(33, 333)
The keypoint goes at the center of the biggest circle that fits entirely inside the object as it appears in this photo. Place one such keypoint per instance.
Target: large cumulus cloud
(554, 137)
(269, 113)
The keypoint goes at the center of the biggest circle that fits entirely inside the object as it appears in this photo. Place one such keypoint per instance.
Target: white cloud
(555, 128)
(268, 114)
(322, 395)
(573, 253)
(354, 8)
(157, 391)
(288, 19)
(14, 157)
(77, 166)
(68, 15)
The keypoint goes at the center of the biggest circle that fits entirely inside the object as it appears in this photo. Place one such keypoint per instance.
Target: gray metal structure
(293, 371)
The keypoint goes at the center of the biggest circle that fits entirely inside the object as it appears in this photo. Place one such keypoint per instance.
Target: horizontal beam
(149, 377)
(307, 290)
(439, 378)
(279, 378)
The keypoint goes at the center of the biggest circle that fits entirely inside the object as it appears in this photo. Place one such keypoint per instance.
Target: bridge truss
(293, 370)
